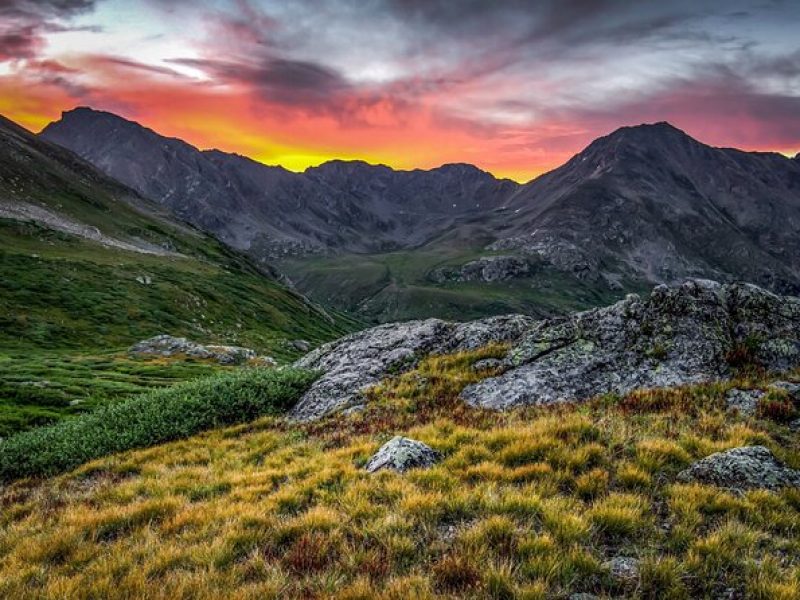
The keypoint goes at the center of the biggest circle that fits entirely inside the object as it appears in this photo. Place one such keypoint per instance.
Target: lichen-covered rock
(624, 570)
(487, 269)
(401, 453)
(679, 335)
(167, 345)
(744, 402)
(745, 468)
(358, 361)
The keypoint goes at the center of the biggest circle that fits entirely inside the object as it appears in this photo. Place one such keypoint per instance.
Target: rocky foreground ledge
(679, 335)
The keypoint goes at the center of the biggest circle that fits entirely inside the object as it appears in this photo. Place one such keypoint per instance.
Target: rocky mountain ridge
(349, 206)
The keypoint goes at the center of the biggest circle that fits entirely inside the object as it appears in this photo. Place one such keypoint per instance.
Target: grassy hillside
(61, 291)
(527, 504)
(87, 268)
(40, 389)
(397, 286)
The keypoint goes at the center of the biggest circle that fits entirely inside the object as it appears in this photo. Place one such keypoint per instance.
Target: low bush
(777, 406)
(152, 418)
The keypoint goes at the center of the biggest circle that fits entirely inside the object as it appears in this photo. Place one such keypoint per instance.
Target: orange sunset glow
(297, 84)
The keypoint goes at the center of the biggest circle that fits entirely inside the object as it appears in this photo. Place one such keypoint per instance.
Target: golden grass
(527, 504)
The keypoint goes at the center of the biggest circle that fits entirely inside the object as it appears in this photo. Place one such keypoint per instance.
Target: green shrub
(152, 418)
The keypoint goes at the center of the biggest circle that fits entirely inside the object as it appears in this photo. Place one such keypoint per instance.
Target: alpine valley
(644, 205)
(598, 391)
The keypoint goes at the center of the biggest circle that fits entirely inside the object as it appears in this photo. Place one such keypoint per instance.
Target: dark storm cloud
(24, 22)
(43, 9)
(19, 42)
(281, 80)
(299, 80)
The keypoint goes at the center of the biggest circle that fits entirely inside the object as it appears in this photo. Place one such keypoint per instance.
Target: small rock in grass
(623, 569)
(795, 425)
(401, 453)
(487, 363)
(745, 402)
(264, 361)
(301, 345)
(745, 468)
(583, 596)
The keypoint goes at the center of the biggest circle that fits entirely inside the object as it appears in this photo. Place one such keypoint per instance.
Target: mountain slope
(653, 202)
(87, 263)
(643, 205)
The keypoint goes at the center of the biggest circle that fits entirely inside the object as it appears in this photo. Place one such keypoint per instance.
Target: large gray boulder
(745, 468)
(356, 362)
(167, 345)
(679, 335)
(402, 454)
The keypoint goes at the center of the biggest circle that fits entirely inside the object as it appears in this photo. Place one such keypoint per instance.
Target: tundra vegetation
(529, 503)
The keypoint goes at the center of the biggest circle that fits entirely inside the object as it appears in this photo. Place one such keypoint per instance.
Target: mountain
(644, 205)
(339, 206)
(654, 203)
(87, 263)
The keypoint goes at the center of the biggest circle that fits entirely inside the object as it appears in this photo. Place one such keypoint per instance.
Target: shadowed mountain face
(651, 200)
(339, 206)
(85, 262)
(643, 205)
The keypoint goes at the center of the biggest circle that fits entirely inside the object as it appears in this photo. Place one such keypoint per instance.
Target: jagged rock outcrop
(791, 388)
(167, 345)
(358, 361)
(401, 454)
(679, 335)
(487, 269)
(746, 468)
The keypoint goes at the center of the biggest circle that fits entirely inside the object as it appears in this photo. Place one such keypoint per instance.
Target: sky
(515, 87)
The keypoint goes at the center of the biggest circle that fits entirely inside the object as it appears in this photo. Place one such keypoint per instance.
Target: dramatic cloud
(515, 86)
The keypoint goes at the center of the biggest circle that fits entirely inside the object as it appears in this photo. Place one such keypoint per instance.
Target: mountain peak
(632, 141)
(87, 112)
(338, 166)
(659, 129)
(460, 169)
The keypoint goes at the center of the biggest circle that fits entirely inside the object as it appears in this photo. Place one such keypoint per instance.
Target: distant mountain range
(643, 205)
(339, 206)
